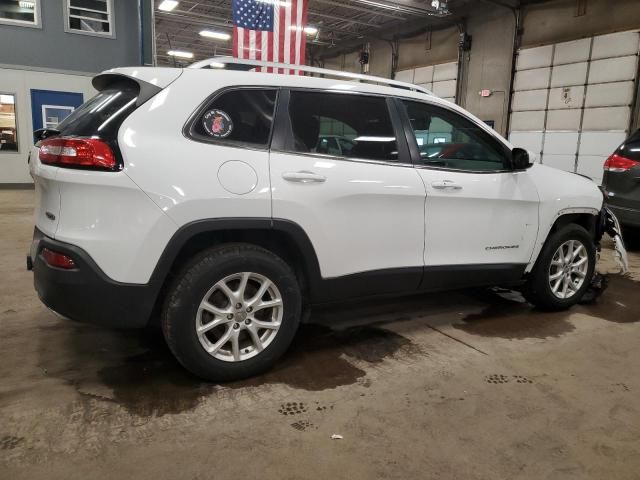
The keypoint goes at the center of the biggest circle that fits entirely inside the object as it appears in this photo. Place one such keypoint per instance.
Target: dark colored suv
(622, 182)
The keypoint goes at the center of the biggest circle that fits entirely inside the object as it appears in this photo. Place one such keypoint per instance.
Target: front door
(49, 107)
(480, 215)
(362, 207)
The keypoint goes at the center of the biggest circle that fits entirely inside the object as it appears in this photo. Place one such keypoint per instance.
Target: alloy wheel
(568, 269)
(239, 316)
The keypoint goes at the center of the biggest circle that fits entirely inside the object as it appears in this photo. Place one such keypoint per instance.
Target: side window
(24, 14)
(8, 124)
(237, 117)
(448, 140)
(353, 126)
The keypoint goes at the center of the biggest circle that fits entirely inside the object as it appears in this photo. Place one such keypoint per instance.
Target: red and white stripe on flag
(285, 44)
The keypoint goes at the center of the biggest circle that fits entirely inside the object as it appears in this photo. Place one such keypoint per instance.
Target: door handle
(303, 177)
(446, 184)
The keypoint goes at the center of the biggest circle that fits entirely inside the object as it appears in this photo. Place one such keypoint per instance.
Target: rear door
(363, 209)
(481, 217)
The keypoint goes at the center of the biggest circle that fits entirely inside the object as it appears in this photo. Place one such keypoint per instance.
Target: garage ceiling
(339, 22)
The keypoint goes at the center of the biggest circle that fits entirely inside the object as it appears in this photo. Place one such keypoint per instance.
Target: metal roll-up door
(441, 79)
(572, 101)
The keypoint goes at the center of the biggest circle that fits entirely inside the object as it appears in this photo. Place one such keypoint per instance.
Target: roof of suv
(163, 76)
(212, 79)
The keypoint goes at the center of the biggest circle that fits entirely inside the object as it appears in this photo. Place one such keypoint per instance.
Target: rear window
(631, 148)
(103, 114)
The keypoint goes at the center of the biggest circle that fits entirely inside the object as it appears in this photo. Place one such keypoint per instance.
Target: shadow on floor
(136, 370)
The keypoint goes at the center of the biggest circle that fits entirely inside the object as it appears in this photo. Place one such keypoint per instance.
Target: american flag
(271, 31)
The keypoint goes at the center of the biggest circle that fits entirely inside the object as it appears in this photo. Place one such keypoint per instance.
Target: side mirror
(520, 159)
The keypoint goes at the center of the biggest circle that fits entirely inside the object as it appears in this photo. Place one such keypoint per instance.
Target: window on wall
(91, 17)
(24, 13)
(8, 124)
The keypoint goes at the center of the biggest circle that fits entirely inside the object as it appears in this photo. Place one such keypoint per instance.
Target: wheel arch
(284, 238)
(588, 218)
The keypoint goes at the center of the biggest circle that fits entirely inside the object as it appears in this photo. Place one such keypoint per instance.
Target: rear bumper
(85, 293)
(629, 217)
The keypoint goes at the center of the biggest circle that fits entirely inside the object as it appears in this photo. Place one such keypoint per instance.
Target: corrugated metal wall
(572, 101)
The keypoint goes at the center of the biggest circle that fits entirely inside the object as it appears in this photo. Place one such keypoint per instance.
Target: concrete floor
(460, 385)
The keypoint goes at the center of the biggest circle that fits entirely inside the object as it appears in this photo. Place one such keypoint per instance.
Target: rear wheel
(232, 312)
(564, 269)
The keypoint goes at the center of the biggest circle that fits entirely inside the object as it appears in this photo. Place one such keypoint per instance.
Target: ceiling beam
(348, 5)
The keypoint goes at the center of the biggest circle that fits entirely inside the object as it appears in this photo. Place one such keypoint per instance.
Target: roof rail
(222, 62)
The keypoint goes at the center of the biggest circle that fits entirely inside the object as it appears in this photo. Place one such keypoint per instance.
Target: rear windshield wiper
(43, 133)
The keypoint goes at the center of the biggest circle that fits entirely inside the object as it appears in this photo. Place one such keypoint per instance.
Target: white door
(572, 101)
(441, 79)
(364, 210)
(478, 212)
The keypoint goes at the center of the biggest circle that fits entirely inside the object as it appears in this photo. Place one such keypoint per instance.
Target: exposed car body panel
(561, 193)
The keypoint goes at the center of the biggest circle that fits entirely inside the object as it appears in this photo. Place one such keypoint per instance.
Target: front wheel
(564, 269)
(232, 312)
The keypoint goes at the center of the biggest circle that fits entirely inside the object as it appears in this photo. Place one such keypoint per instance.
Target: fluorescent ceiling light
(309, 30)
(27, 4)
(180, 54)
(168, 5)
(282, 3)
(217, 65)
(7, 99)
(212, 34)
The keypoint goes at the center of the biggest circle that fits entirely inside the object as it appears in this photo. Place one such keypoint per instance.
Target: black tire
(537, 290)
(194, 281)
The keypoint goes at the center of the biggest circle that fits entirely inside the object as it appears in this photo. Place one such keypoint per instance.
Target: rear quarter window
(241, 117)
(631, 148)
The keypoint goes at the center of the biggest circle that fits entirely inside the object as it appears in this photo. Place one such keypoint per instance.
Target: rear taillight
(57, 259)
(72, 152)
(617, 163)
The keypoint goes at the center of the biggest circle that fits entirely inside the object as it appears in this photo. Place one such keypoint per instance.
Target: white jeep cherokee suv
(204, 198)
